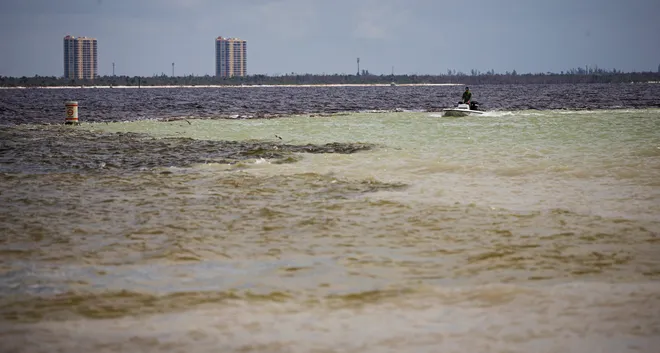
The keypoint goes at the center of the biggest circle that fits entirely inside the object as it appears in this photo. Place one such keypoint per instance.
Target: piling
(71, 113)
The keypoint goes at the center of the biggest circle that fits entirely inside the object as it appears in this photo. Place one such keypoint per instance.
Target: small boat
(463, 109)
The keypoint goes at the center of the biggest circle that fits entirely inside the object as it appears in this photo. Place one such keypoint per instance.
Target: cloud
(285, 19)
(186, 4)
(377, 19)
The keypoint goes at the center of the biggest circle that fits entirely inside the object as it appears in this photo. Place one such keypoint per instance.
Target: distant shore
(257, 86)
(335, 80)
(237, 86)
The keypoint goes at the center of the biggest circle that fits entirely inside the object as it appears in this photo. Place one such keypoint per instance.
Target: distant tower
(230, 57)
(358, 63)
(80, 58)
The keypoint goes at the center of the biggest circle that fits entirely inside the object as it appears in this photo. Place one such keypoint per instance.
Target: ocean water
(394, 230)
(46, 106)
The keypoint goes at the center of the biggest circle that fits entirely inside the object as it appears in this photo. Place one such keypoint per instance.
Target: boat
(463, 109)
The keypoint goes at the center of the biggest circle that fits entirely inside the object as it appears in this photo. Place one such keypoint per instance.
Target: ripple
(47, 105)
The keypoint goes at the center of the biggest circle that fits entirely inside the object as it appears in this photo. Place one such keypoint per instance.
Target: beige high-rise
(230, 57)
(80, 58)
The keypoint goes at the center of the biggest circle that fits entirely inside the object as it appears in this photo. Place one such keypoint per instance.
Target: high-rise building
(80, 58)
(230, 57)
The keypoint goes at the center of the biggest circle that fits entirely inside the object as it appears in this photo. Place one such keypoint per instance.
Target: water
(130, 104)
(517, 231)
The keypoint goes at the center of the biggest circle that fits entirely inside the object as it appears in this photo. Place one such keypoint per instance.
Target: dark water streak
(51, 149)
(29, 106)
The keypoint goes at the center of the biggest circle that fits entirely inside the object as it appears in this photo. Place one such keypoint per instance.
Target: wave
(115, 304)
(586, 316)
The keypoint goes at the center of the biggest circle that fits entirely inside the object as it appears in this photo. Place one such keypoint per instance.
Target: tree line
(581, 75)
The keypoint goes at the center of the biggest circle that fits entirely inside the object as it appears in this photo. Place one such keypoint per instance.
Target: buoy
(71, 113)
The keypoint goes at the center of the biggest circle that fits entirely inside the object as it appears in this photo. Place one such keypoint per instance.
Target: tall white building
(80, 58)
(230, 57)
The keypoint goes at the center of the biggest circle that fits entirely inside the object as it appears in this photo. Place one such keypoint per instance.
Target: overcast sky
(144, 37)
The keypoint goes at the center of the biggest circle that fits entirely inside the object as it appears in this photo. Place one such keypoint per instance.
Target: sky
(144, 37)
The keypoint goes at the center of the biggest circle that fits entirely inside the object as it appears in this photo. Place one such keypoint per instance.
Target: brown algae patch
(61, 149)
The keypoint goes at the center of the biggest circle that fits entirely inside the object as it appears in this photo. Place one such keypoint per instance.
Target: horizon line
(457, 74)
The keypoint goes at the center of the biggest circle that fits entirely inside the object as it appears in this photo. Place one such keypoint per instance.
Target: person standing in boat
(467, 95)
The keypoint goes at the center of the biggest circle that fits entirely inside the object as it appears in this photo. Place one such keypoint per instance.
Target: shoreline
(267, 85)
(241, 86)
